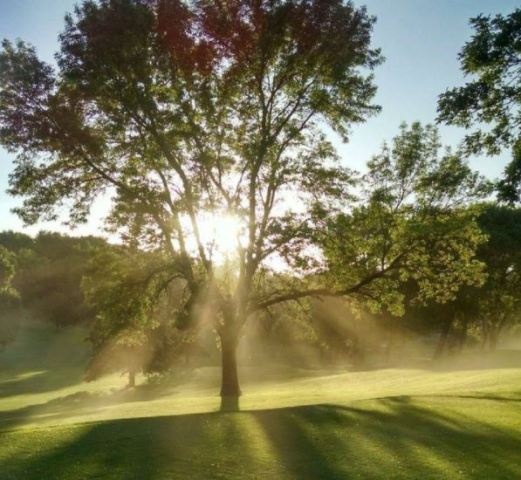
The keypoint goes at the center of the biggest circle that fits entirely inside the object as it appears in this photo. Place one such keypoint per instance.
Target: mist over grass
(457, 418)
(42, 379)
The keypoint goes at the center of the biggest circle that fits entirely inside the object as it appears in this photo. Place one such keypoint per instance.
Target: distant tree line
(48, 272)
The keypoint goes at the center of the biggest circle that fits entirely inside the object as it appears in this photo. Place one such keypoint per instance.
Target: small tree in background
(136, 303)
(487, 309)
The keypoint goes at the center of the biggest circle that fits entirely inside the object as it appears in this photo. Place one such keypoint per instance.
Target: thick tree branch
(327, 292)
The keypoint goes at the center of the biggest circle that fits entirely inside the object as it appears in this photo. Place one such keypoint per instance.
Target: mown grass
(458, 422)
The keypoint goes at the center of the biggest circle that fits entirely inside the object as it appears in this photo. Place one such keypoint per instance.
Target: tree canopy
(413, 224)
(490, 101)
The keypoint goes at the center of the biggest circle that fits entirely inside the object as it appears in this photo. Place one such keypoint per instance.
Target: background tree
(500, 297)
(451, 319)
(184, 110)
(49, 272)
(413, 224)
(7, 268)
(492, 97)
(9, 299)
(483, 310)
(136, 302)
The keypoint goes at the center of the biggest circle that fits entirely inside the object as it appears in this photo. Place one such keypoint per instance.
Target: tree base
(229, 404)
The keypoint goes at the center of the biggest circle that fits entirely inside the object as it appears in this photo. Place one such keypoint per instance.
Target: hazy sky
(419, 38)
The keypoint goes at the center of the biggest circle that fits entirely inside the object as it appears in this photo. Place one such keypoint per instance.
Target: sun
(221, 235)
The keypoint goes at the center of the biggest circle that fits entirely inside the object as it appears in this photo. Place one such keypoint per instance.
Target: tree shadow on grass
(38, 381)
(388, 438)
(78, 403)
(507, 397)
(15, 384)
(42, 359)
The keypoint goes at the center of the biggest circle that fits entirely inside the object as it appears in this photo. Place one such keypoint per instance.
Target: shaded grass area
(395, 437)
(42, 360)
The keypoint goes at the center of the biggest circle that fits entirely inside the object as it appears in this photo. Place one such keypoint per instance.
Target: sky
(420, 40)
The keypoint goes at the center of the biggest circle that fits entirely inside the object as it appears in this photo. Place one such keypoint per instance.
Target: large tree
(490, 101)
(179, 111)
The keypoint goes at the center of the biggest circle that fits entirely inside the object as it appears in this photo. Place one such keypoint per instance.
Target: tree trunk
(442, 342)
(496, 332)
(389, 346)
(492, 340)
(358, 355)
(484, 335)
(463, 335)
(131, 378)
(230, 377)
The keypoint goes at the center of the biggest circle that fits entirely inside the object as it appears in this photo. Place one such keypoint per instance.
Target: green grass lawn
(462, 422)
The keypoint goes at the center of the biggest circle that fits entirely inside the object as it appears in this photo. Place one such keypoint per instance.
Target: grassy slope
(395, 423)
